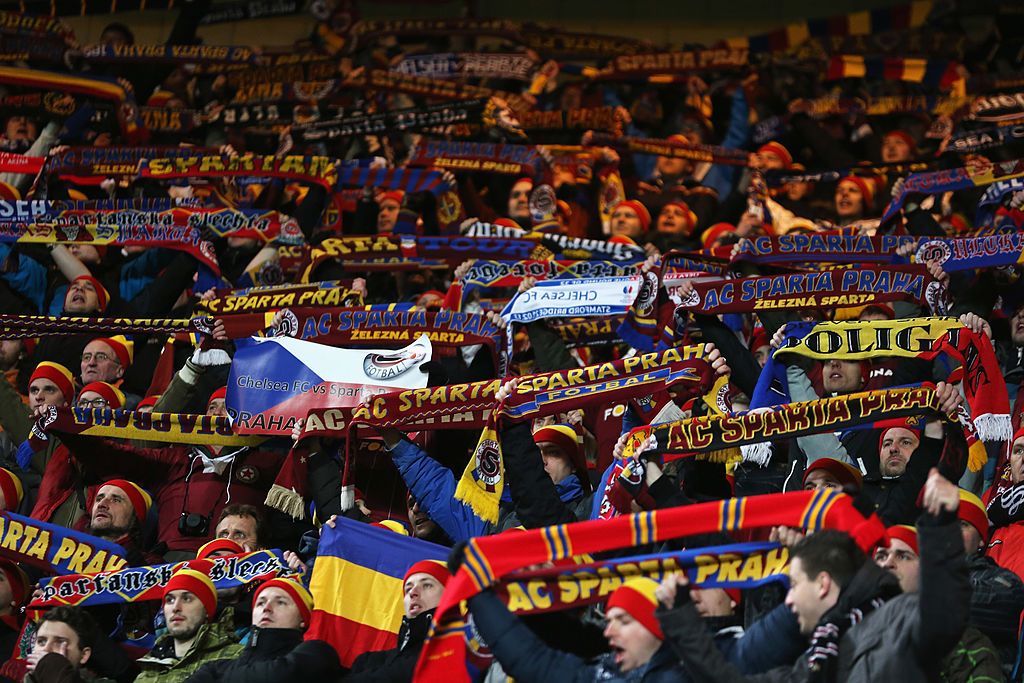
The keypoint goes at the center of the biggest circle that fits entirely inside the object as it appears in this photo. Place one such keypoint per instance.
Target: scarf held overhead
(489, 560)
(133, 584)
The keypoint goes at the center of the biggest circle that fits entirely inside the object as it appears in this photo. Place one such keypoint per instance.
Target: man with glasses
(106, 359)
(100, 395)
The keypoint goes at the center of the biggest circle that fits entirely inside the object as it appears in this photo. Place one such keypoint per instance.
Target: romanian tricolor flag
(357, 586)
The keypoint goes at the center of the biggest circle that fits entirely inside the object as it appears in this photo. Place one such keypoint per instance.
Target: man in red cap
(276, 651)
(829, 473)
(389, 204)
(636, 642)
(106, 359)
(422, 587)
(519, 201)
(85, 296)
(190, 602)
(631, 219)
(118, 512)
(975, 656)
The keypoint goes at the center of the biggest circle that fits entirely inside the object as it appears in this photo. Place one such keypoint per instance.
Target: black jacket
(274, 654)
(396, 664)
(525, 657)
(903, 640)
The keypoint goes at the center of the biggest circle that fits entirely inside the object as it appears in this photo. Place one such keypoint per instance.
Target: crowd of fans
(939, 598)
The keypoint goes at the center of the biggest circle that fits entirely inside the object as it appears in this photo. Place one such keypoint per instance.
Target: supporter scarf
(467, 406)
(937, 182)
(923, 338)
(472, 406)
(320, 170)
(510, 273)
(134, 584)
(887, 19)
(989, 137)
(55, 549)
(112, 161)
(454, 250)
(514, 65)
(713, 437)
(518, 160)
(589, 332)
(361, 174)
(168, 54)
(628, 67)
(998, 107)
(286, 68)
(379, 79)
(936, 73)
(43, 210)
(778, 178)
(28, 326)
(607, 119)
(992, 200)
(264, 116)
(649, 323)
(483, 481)
(43, 27)
(365, 29)
(40, 103)
(345, 327)
(570, 247)
(87, 86)
(554, 43)
(814, 290)
(164, 120)
(411, 119)
(264, 299)
(206, 430)
(565, 586)
(489, 560)
(955, 254)
(297, 92)
(679, 150)
(19, 163)
(178, 238)
(573, 298)
(240, 10)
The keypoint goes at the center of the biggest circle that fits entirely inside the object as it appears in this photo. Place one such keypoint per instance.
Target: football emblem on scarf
(391, 365)
(488, 459)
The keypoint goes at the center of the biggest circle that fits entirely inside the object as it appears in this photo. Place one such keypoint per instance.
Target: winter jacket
(538, 502)
(211, 644)
(525, 657)
(903, 640)
(178, 481)
(973, 660)
(397, 664)
(997, 599)
(434, 486)
(274, 654)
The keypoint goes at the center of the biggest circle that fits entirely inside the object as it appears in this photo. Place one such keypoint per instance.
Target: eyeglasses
(94, 403)
(99, 356)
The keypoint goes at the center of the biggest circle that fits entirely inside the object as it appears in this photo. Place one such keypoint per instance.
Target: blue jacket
(434, 486)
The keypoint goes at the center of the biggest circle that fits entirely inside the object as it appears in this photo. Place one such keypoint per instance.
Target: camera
(193, 524)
